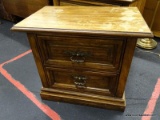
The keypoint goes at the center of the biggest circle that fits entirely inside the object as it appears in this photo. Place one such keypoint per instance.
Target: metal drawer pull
(77, 59)
(80, 81)
(77, 56)
(77, 53)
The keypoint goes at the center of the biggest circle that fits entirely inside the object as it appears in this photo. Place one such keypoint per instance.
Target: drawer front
(87, 53)
(82, 81)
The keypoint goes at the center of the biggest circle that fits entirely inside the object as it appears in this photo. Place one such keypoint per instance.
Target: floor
(20, 86)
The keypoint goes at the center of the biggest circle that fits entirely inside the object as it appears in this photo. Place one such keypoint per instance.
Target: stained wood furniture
(83, 54)
(12, 9)
(91, 2)
(137, 3)
(24, 8)
(152, 15)
(4, 14)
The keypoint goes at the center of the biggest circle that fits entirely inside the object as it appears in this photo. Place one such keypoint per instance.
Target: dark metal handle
(79, 77)
(77, 53)
(77, 56)
(77, 59)
(80, 81)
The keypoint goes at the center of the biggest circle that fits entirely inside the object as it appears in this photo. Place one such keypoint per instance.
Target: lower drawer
(82, 81)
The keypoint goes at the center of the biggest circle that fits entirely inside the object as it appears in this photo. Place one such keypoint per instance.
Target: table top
(105, 20)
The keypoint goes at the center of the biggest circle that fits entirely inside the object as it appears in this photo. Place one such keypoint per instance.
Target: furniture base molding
(146, 43)
(84, 99)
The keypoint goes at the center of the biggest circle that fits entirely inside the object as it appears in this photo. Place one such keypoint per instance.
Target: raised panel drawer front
(82, 81)
(84, 53)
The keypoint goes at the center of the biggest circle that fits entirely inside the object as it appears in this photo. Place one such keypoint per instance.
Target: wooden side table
(136, 3)
(4, 14)
(24, 8)
(83, 54)
(152, 15)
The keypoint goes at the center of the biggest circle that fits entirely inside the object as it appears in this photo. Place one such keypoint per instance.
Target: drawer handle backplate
(77, 59)
(77, 56)
(80, 81)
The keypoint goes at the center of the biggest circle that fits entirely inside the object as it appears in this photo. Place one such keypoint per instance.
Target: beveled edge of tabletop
(91, 32)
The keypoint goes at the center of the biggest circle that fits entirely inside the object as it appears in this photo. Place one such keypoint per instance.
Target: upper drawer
(86, 53)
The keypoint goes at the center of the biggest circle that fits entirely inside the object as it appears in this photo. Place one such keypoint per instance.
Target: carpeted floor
(19, 77)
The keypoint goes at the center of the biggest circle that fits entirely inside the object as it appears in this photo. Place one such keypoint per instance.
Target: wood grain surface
(106, 19)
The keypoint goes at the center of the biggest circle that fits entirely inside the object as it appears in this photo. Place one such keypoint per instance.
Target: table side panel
(127, 60)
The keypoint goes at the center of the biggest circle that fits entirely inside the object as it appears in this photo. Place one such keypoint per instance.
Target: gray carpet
(144, 72)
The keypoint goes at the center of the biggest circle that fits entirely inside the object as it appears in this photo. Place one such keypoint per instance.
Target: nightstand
(83, 54)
